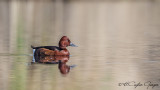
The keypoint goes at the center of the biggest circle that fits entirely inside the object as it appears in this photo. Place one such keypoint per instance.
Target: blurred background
(119, 41)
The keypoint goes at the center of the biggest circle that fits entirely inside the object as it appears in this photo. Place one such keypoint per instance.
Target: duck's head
(65, 42)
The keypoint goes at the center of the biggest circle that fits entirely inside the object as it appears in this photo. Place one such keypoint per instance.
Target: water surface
(118, 42)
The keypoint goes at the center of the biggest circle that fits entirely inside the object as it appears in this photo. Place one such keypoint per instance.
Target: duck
(51, 59)
(60, 50)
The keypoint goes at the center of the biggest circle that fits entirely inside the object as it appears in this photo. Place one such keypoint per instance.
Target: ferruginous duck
(54, 50)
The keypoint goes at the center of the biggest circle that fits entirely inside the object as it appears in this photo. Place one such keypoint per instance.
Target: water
(118, 42)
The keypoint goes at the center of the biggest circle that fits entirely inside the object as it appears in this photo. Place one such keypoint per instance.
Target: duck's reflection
(63, 67)
(60, 60)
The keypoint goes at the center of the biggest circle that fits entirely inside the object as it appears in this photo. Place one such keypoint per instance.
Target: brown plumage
(54, 50)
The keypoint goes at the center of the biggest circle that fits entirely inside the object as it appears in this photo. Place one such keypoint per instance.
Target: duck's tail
(32, 47)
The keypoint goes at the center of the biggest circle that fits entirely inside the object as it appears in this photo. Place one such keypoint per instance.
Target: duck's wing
(47, 47)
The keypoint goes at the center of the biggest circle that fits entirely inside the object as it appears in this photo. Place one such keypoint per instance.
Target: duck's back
(47, 47)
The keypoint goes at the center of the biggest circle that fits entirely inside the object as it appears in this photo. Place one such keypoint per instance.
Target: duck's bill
(73, 45)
